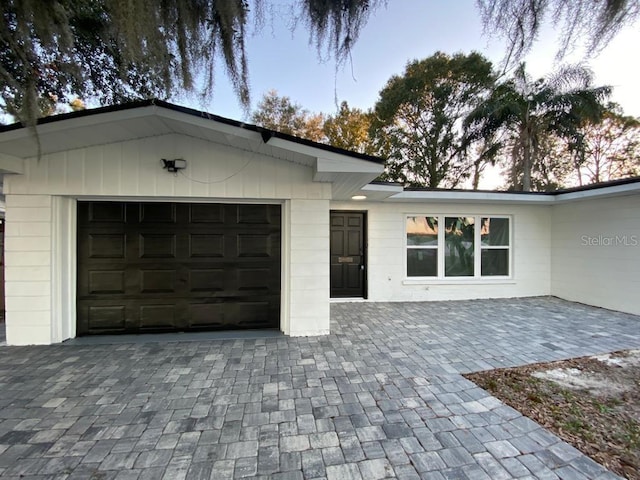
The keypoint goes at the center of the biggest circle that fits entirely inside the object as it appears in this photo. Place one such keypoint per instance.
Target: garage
(171, 267)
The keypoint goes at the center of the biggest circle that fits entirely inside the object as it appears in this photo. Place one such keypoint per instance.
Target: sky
(283, 59)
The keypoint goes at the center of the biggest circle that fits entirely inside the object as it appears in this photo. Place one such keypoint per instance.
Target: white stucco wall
(596, 252)
(387, 279)
(40, 222)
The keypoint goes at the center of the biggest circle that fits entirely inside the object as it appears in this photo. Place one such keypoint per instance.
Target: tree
(418, 116)
(520, 21)
(113, 50)
(281, 114)
(349, 129)
(609, 149)
(525, 111)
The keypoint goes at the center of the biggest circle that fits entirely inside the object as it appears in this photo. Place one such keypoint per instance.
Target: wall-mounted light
(359, 197)
(174, 165)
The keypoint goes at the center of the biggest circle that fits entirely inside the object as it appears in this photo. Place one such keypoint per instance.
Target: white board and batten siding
(41, 225)
(387, 279)
(596, 252)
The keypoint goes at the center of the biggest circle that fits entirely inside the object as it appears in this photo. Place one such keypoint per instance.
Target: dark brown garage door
(154, 267)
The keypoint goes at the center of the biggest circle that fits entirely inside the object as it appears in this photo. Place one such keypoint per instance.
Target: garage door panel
(162, 267)
(253, 245)
(206, 280)
(106, 212)
(250, 314)
(255, 279)
(239, 314)
(206, 315)
(254, 214)
(154, 245)
(106, 318)
(157, 317)
(107, 282)
(206, 245)
(203, 213)
(154, 213)
(103, 245)
(158, 281)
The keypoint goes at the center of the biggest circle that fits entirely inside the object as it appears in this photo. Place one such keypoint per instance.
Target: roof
(350, 173)
(395, 192)
(346, 171)
(266, 133)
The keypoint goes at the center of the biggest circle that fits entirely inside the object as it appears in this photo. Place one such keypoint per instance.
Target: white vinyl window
(464, 246)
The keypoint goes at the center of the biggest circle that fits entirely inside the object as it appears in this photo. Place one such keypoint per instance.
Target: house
(150, 217)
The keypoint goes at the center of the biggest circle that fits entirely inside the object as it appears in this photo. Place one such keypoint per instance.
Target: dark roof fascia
(266, 133)
(583, 188)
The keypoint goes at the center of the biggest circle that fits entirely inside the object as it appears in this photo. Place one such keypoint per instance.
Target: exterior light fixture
(359, 197)
(174, 165)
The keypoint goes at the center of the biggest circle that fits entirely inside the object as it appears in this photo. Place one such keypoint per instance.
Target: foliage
(349, 129)
(418, 115)
(609, 149)
(521, 112)
(281, 114)
(109, 51)
(520, 21)
(114, 50)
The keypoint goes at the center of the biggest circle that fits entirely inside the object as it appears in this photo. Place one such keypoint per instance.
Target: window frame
(477, 250)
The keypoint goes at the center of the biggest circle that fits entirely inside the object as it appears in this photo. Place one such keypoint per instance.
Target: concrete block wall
(28, 261)
(595, 255)
(387, 279)
(309, 272)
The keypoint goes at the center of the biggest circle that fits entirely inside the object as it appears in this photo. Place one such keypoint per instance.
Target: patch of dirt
(592, 403)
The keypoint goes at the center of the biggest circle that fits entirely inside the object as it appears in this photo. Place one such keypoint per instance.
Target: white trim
(11, 164)
(285, 267)
(612, 191)
(145, 199)
(64, 260)
(462, 281)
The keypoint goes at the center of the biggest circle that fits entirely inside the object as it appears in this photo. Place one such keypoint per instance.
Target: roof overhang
(346, 171)
(394, 193)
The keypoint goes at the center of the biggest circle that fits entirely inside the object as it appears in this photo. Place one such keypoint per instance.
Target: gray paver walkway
(381, 397)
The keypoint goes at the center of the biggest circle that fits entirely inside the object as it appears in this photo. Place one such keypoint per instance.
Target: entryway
(348, 254)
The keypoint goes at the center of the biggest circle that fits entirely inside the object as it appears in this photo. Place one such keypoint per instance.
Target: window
(440, 246)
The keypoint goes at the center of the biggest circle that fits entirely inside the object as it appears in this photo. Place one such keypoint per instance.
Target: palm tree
(520, 112)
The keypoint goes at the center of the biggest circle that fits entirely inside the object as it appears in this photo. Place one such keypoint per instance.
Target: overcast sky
(406, 29)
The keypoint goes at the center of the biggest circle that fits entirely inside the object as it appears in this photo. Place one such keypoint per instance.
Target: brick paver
(381, 397)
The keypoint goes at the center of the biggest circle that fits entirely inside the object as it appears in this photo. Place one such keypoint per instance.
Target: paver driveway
(380, 397)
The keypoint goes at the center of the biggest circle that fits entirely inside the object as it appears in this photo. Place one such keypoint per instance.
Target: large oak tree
(417, 119)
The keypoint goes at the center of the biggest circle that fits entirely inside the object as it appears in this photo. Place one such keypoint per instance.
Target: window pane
(459, 240)
(422, 262)
(422, 231)
(495, 231)
(495, 261)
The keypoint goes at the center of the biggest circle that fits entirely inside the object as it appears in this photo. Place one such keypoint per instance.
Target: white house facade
(150, 217)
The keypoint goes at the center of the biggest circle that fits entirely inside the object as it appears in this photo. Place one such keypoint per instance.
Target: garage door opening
(174, 267)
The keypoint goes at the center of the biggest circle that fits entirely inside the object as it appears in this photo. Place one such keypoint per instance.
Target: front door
(348, 254)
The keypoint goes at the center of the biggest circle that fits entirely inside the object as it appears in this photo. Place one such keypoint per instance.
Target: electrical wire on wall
(181, 172)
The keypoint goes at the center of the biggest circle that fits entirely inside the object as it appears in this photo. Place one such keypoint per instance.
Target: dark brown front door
(348, 255)
(154, 267)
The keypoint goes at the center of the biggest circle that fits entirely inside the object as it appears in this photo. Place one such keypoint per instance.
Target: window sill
(466, 281)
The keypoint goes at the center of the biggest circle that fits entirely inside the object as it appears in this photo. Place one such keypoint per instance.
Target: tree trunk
(526, 162)
(476, 175)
